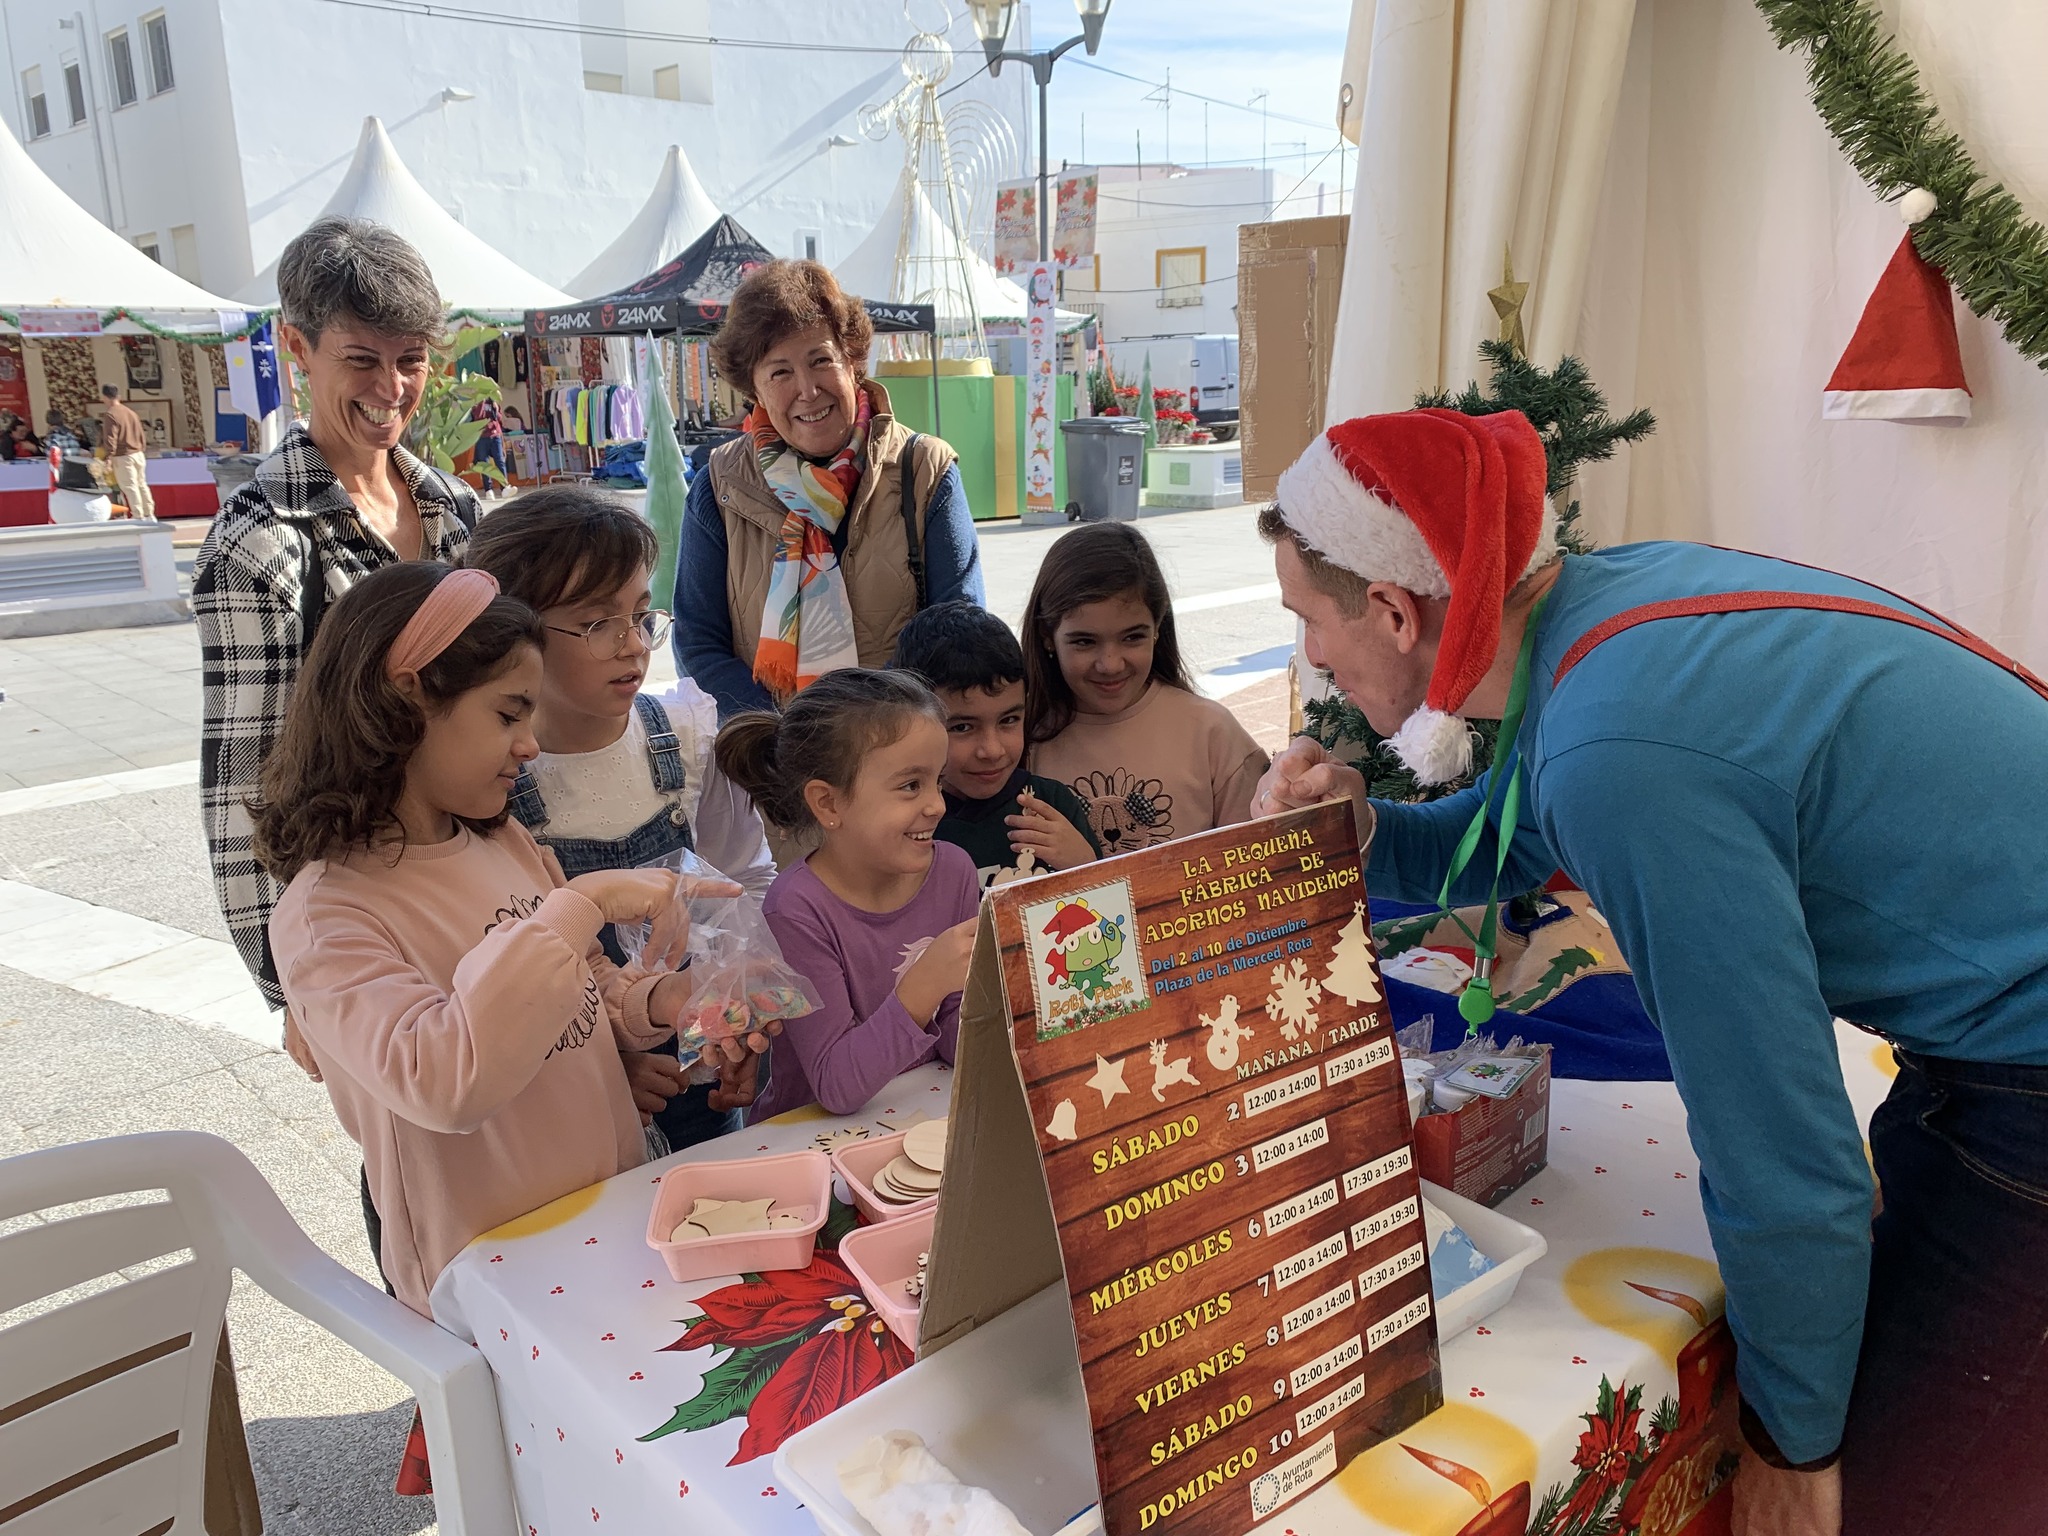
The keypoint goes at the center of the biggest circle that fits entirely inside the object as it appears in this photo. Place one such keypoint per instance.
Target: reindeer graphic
(1165, 1073)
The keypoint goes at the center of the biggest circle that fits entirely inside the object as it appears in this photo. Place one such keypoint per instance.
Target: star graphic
(1108, 1079)
(1507, 303)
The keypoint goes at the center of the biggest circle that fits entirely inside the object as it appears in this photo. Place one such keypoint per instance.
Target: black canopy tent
(689, 297)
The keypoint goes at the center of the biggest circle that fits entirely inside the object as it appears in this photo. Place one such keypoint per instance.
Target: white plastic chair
(103, 1400)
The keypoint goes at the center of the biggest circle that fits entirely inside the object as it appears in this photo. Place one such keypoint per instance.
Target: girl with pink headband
(445, 976)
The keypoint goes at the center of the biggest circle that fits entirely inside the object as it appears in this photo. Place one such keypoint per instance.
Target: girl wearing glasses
(624, 778)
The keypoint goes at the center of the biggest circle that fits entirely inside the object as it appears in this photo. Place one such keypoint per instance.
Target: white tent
(470, 274)
(937, 258)
(55, 255)
(675, 214)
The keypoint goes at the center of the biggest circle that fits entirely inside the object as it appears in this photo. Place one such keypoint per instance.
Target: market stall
(81, 308)
(1164, 1213)
(583, 352)
(619, 1398)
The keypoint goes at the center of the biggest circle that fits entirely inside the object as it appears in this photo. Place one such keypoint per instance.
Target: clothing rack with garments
(595, 415)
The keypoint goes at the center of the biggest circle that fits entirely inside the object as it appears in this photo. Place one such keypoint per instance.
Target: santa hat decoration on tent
(1443, 504)
(1903, 363)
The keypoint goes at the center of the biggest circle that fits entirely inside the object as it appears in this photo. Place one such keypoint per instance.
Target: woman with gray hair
(338, 499)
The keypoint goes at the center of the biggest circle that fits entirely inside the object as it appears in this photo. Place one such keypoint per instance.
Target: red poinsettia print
(825, 1372)
(793, 1346)
(771, 1307)
(1606, 1450)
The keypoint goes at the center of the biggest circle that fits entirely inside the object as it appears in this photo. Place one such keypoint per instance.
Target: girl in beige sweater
(446, 978)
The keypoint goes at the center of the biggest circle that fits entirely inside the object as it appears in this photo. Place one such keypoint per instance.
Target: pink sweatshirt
(468, 1028)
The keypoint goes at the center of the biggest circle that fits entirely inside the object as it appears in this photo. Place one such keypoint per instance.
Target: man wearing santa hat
(1793, 796)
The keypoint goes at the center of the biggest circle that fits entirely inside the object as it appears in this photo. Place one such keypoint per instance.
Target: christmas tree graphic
(1350, 974)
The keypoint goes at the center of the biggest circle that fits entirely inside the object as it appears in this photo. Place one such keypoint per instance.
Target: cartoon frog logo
(1084, 946)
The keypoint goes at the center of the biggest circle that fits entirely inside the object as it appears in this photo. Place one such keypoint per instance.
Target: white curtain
(1734, 251)
(1482, 128)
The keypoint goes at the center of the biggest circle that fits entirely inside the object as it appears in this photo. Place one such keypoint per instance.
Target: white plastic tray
(1003, 1408)
(1512, 1247)
(1026, 1440)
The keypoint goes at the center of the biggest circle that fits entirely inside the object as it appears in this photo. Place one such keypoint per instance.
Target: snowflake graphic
(1292, 1002)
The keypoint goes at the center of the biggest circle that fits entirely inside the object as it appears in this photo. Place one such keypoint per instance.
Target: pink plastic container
(882, 1258)
(795, 1178)
(859, 1161)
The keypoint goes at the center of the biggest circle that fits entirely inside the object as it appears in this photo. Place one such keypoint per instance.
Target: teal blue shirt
(1785, 816)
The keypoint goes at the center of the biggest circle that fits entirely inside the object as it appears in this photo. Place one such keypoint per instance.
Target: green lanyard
(1476, 1004)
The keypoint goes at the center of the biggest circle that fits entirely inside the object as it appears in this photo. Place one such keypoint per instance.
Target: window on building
(74, 93)
(646, 48)
(807, 244)
(1180, 275)
(38, 104)
(185, 252)
(156, 36)
(148, 246)
(121, 68)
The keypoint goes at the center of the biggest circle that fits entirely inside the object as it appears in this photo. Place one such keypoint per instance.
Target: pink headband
(450, 608)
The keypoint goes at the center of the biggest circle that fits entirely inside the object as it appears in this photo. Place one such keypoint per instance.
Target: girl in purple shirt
(880, 919)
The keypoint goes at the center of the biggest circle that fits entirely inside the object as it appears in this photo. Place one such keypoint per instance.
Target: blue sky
(1217, 48)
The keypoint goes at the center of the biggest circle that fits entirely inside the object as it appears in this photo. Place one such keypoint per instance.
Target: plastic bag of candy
(742, 983)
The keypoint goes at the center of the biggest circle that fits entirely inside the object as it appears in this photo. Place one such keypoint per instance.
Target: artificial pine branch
(1868, 94)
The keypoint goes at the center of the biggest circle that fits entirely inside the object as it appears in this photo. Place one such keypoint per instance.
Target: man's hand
(1053, 840)
(1770, 1501)
(295, 1047)
(1306, 775)
(654, 1080)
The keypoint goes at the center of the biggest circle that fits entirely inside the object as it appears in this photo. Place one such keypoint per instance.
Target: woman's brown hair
(824, 734)
(778, 299)
(332, 782)
(562, 545)
(1092, 564)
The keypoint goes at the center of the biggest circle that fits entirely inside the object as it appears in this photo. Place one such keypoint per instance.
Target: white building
(1166, 244)
(211, 131)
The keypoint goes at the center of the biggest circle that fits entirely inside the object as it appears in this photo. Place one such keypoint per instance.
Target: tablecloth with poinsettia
(1599, 1402)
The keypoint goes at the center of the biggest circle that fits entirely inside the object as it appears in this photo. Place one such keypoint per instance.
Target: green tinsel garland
(1869, 95)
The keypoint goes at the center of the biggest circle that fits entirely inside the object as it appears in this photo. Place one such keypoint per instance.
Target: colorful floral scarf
(807, 623)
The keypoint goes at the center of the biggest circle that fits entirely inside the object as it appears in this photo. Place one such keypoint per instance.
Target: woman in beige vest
(813, 537)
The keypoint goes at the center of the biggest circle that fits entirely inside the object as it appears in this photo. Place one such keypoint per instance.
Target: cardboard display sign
(1179, 1091)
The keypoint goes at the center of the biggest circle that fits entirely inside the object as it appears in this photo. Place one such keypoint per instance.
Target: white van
(1203, 366)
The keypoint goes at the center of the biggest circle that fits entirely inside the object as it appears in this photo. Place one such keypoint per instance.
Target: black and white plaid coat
(248, 593)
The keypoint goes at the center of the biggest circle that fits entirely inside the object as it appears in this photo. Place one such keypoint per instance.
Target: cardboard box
(1492, 1147)
(1289, 275)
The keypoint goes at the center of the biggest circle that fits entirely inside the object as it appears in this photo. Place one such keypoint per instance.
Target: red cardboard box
(1492, 1147)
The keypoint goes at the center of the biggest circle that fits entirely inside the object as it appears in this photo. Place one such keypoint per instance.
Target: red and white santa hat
(1903, 363)
(1444, 505)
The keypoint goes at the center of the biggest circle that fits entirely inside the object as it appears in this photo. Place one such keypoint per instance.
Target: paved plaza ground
(124, 1009)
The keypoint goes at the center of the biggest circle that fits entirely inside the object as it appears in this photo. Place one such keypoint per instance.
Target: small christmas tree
(1350, 971)
(1570, 413)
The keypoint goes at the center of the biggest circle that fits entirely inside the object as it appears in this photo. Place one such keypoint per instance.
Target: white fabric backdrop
(1734, 250)
(1484, 126)
(1710, 265)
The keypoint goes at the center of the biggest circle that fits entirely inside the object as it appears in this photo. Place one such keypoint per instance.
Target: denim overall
(689, 1118)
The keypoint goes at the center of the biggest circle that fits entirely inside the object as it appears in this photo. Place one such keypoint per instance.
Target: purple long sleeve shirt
(861, 1035)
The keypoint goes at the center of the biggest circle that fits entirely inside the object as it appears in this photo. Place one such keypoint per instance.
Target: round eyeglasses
(607, 637)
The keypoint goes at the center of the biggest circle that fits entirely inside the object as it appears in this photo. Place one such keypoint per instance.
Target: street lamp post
(992, 20)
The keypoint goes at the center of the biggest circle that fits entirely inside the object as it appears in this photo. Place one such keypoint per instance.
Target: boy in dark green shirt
(995, 811)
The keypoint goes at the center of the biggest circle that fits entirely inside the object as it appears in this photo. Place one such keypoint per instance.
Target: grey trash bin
(1105, 467)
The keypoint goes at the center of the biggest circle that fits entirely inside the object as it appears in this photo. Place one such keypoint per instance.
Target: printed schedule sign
(1217, 1101)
